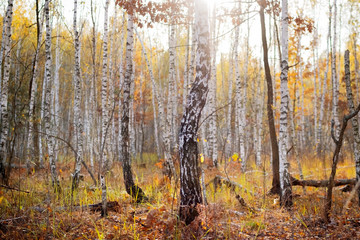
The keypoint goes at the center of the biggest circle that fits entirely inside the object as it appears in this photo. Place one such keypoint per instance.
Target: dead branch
(15, 189)
(219, 180)
(97, 207)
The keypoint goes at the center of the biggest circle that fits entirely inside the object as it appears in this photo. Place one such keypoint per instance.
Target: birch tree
(132, 189)
(48, 97)
(6, 44)
(239, 101)
(77, 101)
(323, 91)
(104, 86)
(335, 80)
(33, 89)
(285, 184)
(169, 166)
(190, 190)
(213, 149)
(354, 121)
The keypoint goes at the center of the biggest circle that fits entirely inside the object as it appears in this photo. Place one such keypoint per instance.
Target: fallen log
(321, 183)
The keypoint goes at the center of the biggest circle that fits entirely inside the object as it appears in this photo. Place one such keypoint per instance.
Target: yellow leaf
(202, 159)
(1, 198)
(205, 140)
(197, 139)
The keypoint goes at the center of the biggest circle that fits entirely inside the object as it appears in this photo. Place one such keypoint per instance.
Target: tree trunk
(77, 102)
(132, 189)
(169, 166)
(335, 80)
(274, 145)
(212, 96)
(335, 160)
(6, 44)
(32, 92)
(285, 184)
(48, 97)
(319, 144)
(190, 190)
(104, 88)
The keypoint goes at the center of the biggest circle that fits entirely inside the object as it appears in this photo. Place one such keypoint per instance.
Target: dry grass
(43, 214)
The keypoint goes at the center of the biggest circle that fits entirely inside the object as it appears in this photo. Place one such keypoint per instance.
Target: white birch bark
(132, 189)
(228, 146)
(192, 57)
(285, 184)
(354, 120)
(258, 126)
(335, 80)
(6, 41)
(132, 116)
(239, 102)
(33, 90)
(77, 102)
(186, 66)
(104, 88)
(190, 190)
(56, 89)
(93, 142)
(315, 99)
(47, 106)
(168, 136)
(171, 92)
(213, 149)
(121, 80)
(112, 92)
(322, 92)
(2, 48)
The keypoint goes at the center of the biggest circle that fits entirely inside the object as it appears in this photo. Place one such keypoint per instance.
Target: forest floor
(40, 213)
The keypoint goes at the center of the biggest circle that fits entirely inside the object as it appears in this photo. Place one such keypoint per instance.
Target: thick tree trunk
(190, 190)
(6, 44)
(354, 121)
(270, 113)
(285, 184)
(132, 189)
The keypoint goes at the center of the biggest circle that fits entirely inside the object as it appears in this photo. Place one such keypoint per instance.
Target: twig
(15, 189)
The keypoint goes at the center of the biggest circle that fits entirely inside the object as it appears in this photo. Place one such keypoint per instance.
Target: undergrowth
(41, 213)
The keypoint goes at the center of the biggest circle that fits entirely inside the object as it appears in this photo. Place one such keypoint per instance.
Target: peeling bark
(190, 190)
